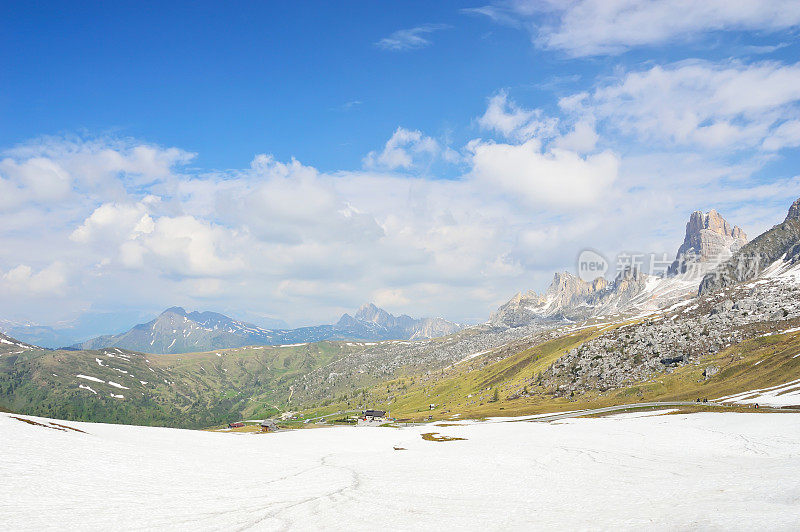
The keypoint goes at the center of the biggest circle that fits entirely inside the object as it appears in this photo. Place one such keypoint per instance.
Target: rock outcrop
(794, 211)
(639, 351)
(570, 298)
(709, 240)
(781, 243)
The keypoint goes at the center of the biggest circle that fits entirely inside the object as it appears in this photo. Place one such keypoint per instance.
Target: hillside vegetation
(513, 386)
(189, 390)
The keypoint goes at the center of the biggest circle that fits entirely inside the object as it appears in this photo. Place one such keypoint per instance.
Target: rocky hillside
(770, 253)
(702, 327)
(569, 298)
(178, 331)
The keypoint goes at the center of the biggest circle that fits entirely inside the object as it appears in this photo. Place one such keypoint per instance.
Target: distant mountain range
(177, 331)
(35, 334)
(737, 337)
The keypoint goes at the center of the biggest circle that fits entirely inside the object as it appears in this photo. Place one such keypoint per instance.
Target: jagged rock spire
(709, 239)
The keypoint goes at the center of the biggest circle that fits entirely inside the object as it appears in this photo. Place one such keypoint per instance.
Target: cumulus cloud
(24, 281)
(91, 219)
(548, 178)
(596, 27)
(507, 118)
(112, 222)
(410, 39)
(721, 106)
(403, 150)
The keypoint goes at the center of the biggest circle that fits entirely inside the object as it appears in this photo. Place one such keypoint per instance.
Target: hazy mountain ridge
(178, 331)
(34, 333)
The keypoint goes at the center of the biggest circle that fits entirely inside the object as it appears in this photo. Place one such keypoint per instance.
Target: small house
(235, 425)
(268, 425)
(373, 415)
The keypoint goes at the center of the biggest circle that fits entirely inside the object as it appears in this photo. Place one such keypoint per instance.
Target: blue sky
(293, 160)
(226, 83)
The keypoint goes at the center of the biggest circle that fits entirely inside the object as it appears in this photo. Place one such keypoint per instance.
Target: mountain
(12, 346)
(178, 331)
(774, 252)
(570, 298)
(116, 385)
(742, 337)
(35, 334)
(371, 322)
(709, 240)
(736, 343)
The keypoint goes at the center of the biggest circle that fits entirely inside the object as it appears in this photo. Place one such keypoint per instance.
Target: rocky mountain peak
(567, 286)
(777, 249)
(709, 239)
(370, 312)
(794, 211)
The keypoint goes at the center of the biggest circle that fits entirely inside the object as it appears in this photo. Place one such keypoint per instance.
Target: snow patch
(90, 378)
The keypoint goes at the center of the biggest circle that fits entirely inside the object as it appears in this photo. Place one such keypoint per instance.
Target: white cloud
(187, 246)
(411, 38)
(554, 178)
(114, 222)
(281, 238)
(596, 27)
(725, 106)
(513, 122)
(403, 150)
(388, 297)
(786, 135)
(582, 138)
(22, 280)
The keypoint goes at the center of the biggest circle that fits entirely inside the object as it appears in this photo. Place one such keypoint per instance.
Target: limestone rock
(709, 239)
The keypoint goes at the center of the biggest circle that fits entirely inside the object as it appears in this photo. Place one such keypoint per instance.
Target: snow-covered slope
(702, 471)
(12, 346)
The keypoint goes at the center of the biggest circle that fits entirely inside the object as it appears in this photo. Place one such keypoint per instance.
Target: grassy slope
(187, 390)
(451, 391)
(204, 389)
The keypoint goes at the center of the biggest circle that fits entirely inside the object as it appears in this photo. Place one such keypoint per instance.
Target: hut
(268, 425)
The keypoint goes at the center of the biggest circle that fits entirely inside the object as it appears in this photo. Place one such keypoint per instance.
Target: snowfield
(702, 471)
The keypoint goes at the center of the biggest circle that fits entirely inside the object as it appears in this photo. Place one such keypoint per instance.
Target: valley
(580, 346)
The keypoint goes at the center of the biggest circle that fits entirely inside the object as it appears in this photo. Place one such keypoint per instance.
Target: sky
(287, 160)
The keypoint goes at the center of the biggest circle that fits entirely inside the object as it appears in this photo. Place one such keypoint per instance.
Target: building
(268, 425)
(373, 415)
